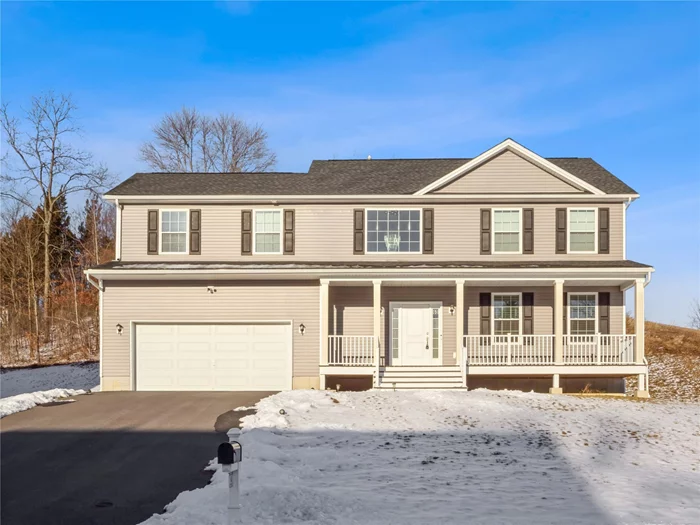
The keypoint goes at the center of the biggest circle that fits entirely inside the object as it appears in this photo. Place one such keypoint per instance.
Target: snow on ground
(21, 402)
(21, 381)
(445, 457)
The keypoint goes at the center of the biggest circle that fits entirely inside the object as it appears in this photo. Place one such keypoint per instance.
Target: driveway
(111, 457)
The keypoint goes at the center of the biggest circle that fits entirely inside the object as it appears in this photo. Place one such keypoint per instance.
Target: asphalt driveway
(111, 457)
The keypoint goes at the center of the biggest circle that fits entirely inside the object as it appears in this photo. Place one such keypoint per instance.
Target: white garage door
(213, 357)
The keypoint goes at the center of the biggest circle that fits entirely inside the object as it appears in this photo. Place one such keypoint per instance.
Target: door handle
(427, 341)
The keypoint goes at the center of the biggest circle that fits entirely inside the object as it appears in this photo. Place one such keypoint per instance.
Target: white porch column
(377, 323)
(643, 379)
(558, 321)
(639, 321)
(323, 305)
(459, 312)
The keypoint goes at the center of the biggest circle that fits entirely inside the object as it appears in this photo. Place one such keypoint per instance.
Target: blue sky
(619, 82)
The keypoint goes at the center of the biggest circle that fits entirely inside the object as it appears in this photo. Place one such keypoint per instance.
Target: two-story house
(404, 273)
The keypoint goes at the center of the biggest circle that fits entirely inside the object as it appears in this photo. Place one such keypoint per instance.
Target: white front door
(415, 335)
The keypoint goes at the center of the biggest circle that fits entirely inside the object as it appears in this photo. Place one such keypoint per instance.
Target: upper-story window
(582, 230)
(393, 231)
(507, 232)
(173, 228)
(267, 233)
(582, 313)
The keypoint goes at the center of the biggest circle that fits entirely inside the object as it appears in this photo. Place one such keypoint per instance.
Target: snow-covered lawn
(25, 388)
(21, 402)
(459, 457)
(24, 380)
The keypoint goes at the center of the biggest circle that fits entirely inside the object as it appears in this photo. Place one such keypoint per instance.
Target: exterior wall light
(120, 329)
(452, 309)
(302, 328)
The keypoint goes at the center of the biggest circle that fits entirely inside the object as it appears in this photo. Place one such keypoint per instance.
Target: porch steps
(417, 377)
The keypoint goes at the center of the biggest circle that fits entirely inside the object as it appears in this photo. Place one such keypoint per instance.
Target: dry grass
(673, 353)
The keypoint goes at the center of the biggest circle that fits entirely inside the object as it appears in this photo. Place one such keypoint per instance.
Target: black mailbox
(230, 453)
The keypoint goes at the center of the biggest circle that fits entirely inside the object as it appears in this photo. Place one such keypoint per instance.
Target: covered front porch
(438, 332)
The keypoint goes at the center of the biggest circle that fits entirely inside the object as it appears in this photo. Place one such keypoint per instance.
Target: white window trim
(568, 310)
(420, 230)
(595, 230)
(493, 231)
(520, 312)
(281, 232)
(160, 231)
(430, 305)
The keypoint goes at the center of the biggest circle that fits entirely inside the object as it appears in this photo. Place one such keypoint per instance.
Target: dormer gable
(509, 168)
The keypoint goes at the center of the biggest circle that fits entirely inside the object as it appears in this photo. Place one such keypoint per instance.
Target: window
(393, 231)
(268, 231)
(506, 231)
(506, 314)
(436, 332)
(173, 228)
(394, 332)
(582, 231)
(582, 313)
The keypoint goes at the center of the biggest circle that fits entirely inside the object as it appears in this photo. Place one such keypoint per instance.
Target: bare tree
(48, 165)
(695, 314)
(187, 141)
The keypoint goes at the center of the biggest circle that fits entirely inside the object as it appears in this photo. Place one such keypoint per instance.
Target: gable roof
(344, 177)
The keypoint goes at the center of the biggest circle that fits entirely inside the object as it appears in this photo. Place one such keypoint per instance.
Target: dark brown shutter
(152, 232)
(485, 231)
(195, 232)
(246, 232)
(485, 313)
(289, 232)
(603, 230)
(528, 231)
(528, 313)
(358, 245)
(604, 312)
(566, 310)
(428, 230)
(561, 230)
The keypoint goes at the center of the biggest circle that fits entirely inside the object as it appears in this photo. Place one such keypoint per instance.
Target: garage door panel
(274, 329)
(213, 357)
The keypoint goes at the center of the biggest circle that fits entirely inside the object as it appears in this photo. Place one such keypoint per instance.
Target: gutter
(96, 283)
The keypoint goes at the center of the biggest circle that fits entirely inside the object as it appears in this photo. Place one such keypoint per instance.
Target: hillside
(673, 353)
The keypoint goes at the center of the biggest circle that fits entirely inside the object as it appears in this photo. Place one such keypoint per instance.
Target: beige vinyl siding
(543, 321)
(508, 173)
(126, 301)
(324, 232)
(350, 310)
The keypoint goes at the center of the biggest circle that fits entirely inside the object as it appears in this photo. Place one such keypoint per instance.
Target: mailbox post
(229, 456)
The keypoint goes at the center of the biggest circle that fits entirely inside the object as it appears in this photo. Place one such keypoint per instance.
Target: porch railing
(351, 350)
(514, 350)
(599, 349)
(509, 349)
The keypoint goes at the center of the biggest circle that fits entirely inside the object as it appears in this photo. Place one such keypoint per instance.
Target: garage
(222, 356)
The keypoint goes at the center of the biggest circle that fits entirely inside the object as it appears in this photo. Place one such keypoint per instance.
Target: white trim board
(510, 145)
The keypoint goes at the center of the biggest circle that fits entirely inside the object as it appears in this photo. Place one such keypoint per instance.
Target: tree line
(49, 312)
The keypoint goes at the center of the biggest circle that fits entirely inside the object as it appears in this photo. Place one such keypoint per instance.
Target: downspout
(96, 283)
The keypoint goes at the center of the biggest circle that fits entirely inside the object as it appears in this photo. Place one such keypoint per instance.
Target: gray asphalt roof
(340, 177)
(371, 265)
